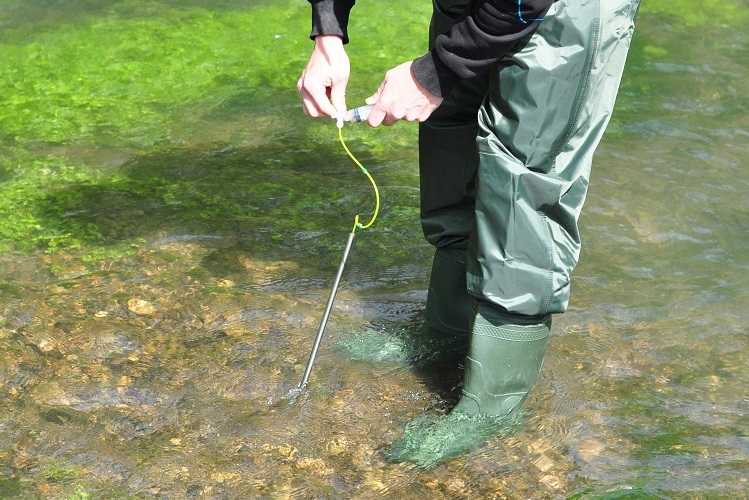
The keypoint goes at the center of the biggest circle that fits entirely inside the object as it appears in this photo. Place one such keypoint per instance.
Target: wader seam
(550, 285)
(585, 87)
(593, 55)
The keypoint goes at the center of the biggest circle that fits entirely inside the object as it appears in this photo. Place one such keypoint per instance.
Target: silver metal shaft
(327, 312)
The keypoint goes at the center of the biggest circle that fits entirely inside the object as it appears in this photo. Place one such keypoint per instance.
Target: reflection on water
(158, 356)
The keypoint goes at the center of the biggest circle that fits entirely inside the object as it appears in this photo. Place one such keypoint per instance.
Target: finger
(308, 103)
(421, 113)
(373, 98)
(300, 88)
(426, 112)
(319, 96)
(338, 98)
(390, 120)
(376, 116)
(309, 108)
(317, 102)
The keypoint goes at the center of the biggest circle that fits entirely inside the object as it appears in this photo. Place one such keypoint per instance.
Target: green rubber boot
(442, 340)
(448, 306)
(503, 362)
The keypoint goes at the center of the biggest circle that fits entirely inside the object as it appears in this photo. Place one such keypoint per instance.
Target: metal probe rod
(327, 312)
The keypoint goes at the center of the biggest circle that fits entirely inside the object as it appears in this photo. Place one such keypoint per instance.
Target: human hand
(401, 97)
(323, 82)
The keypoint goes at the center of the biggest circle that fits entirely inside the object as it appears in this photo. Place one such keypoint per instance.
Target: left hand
(401, 97)
(323, 82)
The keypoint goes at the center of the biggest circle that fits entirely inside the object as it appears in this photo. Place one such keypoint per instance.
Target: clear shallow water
(186, 233)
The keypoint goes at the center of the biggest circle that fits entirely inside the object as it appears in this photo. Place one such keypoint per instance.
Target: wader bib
(505, 160)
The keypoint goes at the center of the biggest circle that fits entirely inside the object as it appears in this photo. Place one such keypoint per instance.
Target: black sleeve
(488, 30)
(330, 17)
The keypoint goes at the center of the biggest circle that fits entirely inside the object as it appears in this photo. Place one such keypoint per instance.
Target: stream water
(172, 225)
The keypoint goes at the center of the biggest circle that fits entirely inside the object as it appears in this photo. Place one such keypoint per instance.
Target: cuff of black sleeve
(434, 75)
(329, 18)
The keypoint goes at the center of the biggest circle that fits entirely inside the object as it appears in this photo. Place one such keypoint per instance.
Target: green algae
(148, 75)
(127, 77)
(371, 345)
(59, 470)
(10, 487)
(709, 13)
(171, 80)
(427, 442)
(616, 493)
(421, 347)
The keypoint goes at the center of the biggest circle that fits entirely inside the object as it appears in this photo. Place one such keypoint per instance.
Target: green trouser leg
(513, 198)
(504, 360)
(546, 110)
(448, 160)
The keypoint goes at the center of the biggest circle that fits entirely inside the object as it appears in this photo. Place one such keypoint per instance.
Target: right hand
(323, 82)
(401, 97)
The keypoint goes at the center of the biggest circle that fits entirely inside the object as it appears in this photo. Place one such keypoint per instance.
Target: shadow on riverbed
(267, 200)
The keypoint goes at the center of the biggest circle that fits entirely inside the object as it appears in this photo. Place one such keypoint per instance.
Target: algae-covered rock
(370, 345)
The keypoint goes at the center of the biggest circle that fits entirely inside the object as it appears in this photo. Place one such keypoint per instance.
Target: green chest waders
(513, 197)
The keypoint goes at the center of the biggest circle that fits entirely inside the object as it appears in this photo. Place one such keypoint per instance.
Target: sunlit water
(170, 369)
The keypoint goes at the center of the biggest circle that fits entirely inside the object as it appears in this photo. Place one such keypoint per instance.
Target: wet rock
(338, 446)
(64, 416)
(20, 377)
(126, 412)
(65, 325)
(240, 353)
(102, 467)
(315, 465)
(128, 397)
(197, 338)
(49, 347)
(588, 450)
(131, 427)
(141, 307)
(236, 324)
(21, 321)
(112, 349)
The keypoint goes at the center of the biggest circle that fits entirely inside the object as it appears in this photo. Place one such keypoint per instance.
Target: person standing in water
(512, 97)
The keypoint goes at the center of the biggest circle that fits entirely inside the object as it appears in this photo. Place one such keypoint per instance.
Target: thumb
(373, 98)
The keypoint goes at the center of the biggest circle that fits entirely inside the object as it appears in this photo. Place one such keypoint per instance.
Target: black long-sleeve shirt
(487, 30)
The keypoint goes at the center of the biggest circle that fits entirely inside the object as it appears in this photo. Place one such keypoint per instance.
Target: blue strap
(520, 15)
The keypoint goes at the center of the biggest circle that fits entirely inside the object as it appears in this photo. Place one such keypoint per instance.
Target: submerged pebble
(140, 306)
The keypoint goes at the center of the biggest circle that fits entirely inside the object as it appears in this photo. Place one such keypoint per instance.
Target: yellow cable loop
(374, 185)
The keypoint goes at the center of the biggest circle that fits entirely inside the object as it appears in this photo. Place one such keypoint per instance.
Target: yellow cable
(374, 185)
